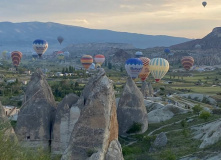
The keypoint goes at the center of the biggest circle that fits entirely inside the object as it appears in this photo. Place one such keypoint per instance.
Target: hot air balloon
(133, 67)
(66, 54)
(86, 61)
(167, 50)
(16, 58)
(145, 71)
(40, 46)
(60, 39)
(138, 54)
(187, 62)
(60, 56)
(4, 54)
(99, 59)
(204, 3)
(158, 68)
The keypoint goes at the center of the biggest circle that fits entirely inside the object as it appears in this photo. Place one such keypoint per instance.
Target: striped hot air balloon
(40, 46)
(133, 67)
(145, 71)
(99, 59)
(158, 68)
(187, 62)
(86, 61)
(16, 58)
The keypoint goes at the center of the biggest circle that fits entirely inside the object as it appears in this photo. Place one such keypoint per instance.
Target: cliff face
(65, 119)
(131, 108)
(34, 124)
(95, 134)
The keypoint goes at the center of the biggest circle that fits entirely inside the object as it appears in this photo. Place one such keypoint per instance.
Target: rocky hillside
(211, 41)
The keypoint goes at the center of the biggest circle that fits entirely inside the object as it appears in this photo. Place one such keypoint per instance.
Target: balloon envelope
(187, 62)
(158, 68)
(145, 70)
(60, 39)
(99, 59)
(133, 67)
(204, 3)
(138, 54)
(60, 56)
(86, 61)
(40, 46)
(167, 50)
(16, 57)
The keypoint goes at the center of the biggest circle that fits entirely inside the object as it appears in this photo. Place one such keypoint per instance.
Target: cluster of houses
(11, 112)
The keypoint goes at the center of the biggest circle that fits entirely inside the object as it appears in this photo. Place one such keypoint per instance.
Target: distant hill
(211, 41)
(19, 36)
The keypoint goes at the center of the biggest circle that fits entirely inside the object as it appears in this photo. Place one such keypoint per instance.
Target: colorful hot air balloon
(60, 39)
(158, 68)
(60, 56)
(145, 71)
(133, 67)
(99, 59)
(16, 58)
(204, 3)
(66, 54)
(40, 46)
(138, 54)
(167, 50)
(86, 61)
(187, 62)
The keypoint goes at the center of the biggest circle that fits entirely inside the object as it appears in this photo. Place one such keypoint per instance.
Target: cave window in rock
(28, 137)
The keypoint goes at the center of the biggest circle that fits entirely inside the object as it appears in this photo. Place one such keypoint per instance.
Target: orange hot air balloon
(187, 62)
(16, 58)
(145, 70)
(86, 61)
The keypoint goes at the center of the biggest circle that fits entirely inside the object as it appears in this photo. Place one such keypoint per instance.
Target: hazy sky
(183, 18)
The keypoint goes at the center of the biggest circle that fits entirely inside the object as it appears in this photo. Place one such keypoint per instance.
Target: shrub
(183, 123)
(204, 115)
(167, 155)
(135, 127)
(197, 109)
(90, 152)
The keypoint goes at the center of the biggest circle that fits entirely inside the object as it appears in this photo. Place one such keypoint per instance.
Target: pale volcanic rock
(131, 108)
(65, 119)
(35, 118)
(97, 125)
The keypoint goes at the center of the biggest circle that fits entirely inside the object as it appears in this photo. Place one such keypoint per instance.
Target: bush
(131, 150)
(167, 155)
(204, 115)
(183, 123)
(197, 109)
(136, 127)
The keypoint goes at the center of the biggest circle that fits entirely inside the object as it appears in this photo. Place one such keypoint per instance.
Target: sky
(180, 18)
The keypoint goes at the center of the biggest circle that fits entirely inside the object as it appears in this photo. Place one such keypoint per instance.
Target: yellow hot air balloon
(86, 61)
(158, 68)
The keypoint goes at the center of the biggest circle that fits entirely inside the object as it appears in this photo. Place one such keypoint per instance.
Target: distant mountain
(19, 36)
(211, 41)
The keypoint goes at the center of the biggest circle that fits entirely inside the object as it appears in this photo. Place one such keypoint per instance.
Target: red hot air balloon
(86, 61)
(16, 58)
(145, 70)
(187, 62)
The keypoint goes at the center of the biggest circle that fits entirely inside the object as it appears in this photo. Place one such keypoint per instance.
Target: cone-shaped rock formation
(131, 110)
(35, 118)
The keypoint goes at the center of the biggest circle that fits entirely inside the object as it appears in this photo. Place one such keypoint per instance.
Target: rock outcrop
(95, 135)
(145, 89)
(131, 108)
(159, 143)
(34, 124)
(66, 117)
(151, 91)
(208, 133)
(160, 113)
(201, 98)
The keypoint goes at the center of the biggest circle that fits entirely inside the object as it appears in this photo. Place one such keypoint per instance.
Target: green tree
(109, 65)
(121, 69)
(76, 84)
(197, 109)
(204, 115)
(63, 71)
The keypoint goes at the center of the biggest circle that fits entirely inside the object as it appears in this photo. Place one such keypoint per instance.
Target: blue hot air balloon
(167, 50)
(40, 46)
(138, 54)
(133, 67)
